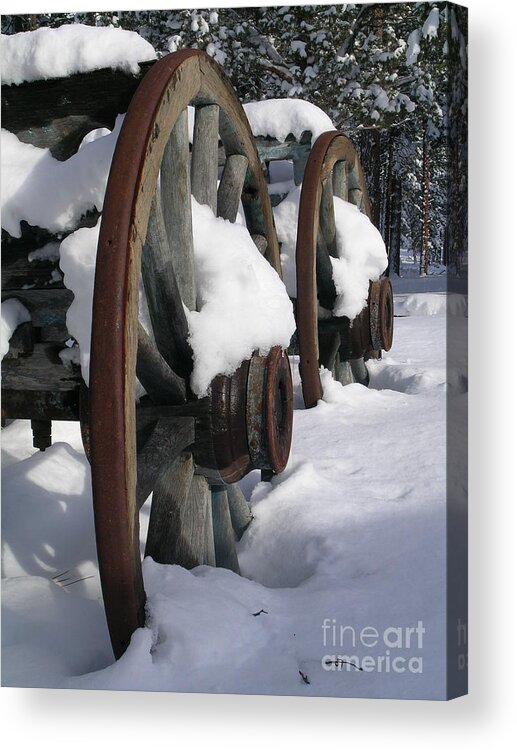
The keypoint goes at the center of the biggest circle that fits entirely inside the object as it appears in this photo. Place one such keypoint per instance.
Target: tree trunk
(376, 178)
(445, 249)
(395, 231)
(424, 256)
(387, 205)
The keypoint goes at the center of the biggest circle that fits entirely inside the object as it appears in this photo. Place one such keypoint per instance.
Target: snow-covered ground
(344, 560)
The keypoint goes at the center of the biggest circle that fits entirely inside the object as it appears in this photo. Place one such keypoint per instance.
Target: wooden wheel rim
(330, 148)
(172, 84)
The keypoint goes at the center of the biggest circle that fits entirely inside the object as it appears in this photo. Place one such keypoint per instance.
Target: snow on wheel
(335, 328)
(154, 427)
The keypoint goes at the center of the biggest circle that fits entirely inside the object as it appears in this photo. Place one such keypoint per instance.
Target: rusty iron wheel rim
(386, 308)
(169, 86)
(278, 404)
(381, 314)
(328, 149)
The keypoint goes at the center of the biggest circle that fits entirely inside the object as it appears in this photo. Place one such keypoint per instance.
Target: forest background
(392, 76)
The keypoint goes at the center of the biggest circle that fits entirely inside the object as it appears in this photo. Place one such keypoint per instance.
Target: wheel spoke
(327, 219)
(177, 213)
(340, 180)
(168, 439)
(178, 521)
(329, 344)
(344, 373)
(324, 279)
(360, 371)
(205, 155)
(224, 540)
(209, 558)
(260, 243)
(160, 382)
(170, 499)
(230, 187)
(355, 196)
(240, 512)
(163, 297)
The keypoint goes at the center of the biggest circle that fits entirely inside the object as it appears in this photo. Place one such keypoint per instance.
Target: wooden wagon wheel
(340, 345)
(188, 451)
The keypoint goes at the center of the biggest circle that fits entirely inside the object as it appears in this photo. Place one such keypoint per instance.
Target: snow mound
(362, 258)
(243, 305)
(13, 313)
(362, 253)
(53, 194)
(72, 48)
(53, 656)
(278, 118)
(242, 302)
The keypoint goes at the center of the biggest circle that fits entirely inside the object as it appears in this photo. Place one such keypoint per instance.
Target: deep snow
(361, 251)
(71, 48)
(353, 532)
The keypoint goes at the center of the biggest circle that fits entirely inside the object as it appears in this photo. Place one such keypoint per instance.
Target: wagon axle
(245, 422)
(371, 330)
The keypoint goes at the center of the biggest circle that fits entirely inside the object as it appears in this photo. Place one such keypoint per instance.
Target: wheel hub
(380, 307)
(250, 422)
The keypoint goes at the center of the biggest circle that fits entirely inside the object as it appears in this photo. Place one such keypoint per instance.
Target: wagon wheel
(188, 451)
(340, 345)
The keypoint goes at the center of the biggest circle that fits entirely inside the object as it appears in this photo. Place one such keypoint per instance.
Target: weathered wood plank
(269, 149)
(196, 521)
(327, 218)
(224, 539)
(58, 113)
(21, 342)
(47, 307)
(344, 373)
(340, 180)
(230, 187)
(177, 526)
(329, 344)
(325, 282)
(299, 162)
(40, 371)
(360, 371)
(205, 155)
(354, 180)
(170, 497)
(160, 382)
(240, 511)
(60, 405)
(39, 386)
(355, 196)
(18, 271)
(168, 439)
(209, 558)
(163, 297)
(176, 208)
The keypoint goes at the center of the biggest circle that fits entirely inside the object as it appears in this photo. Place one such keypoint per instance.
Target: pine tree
(391, 76)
